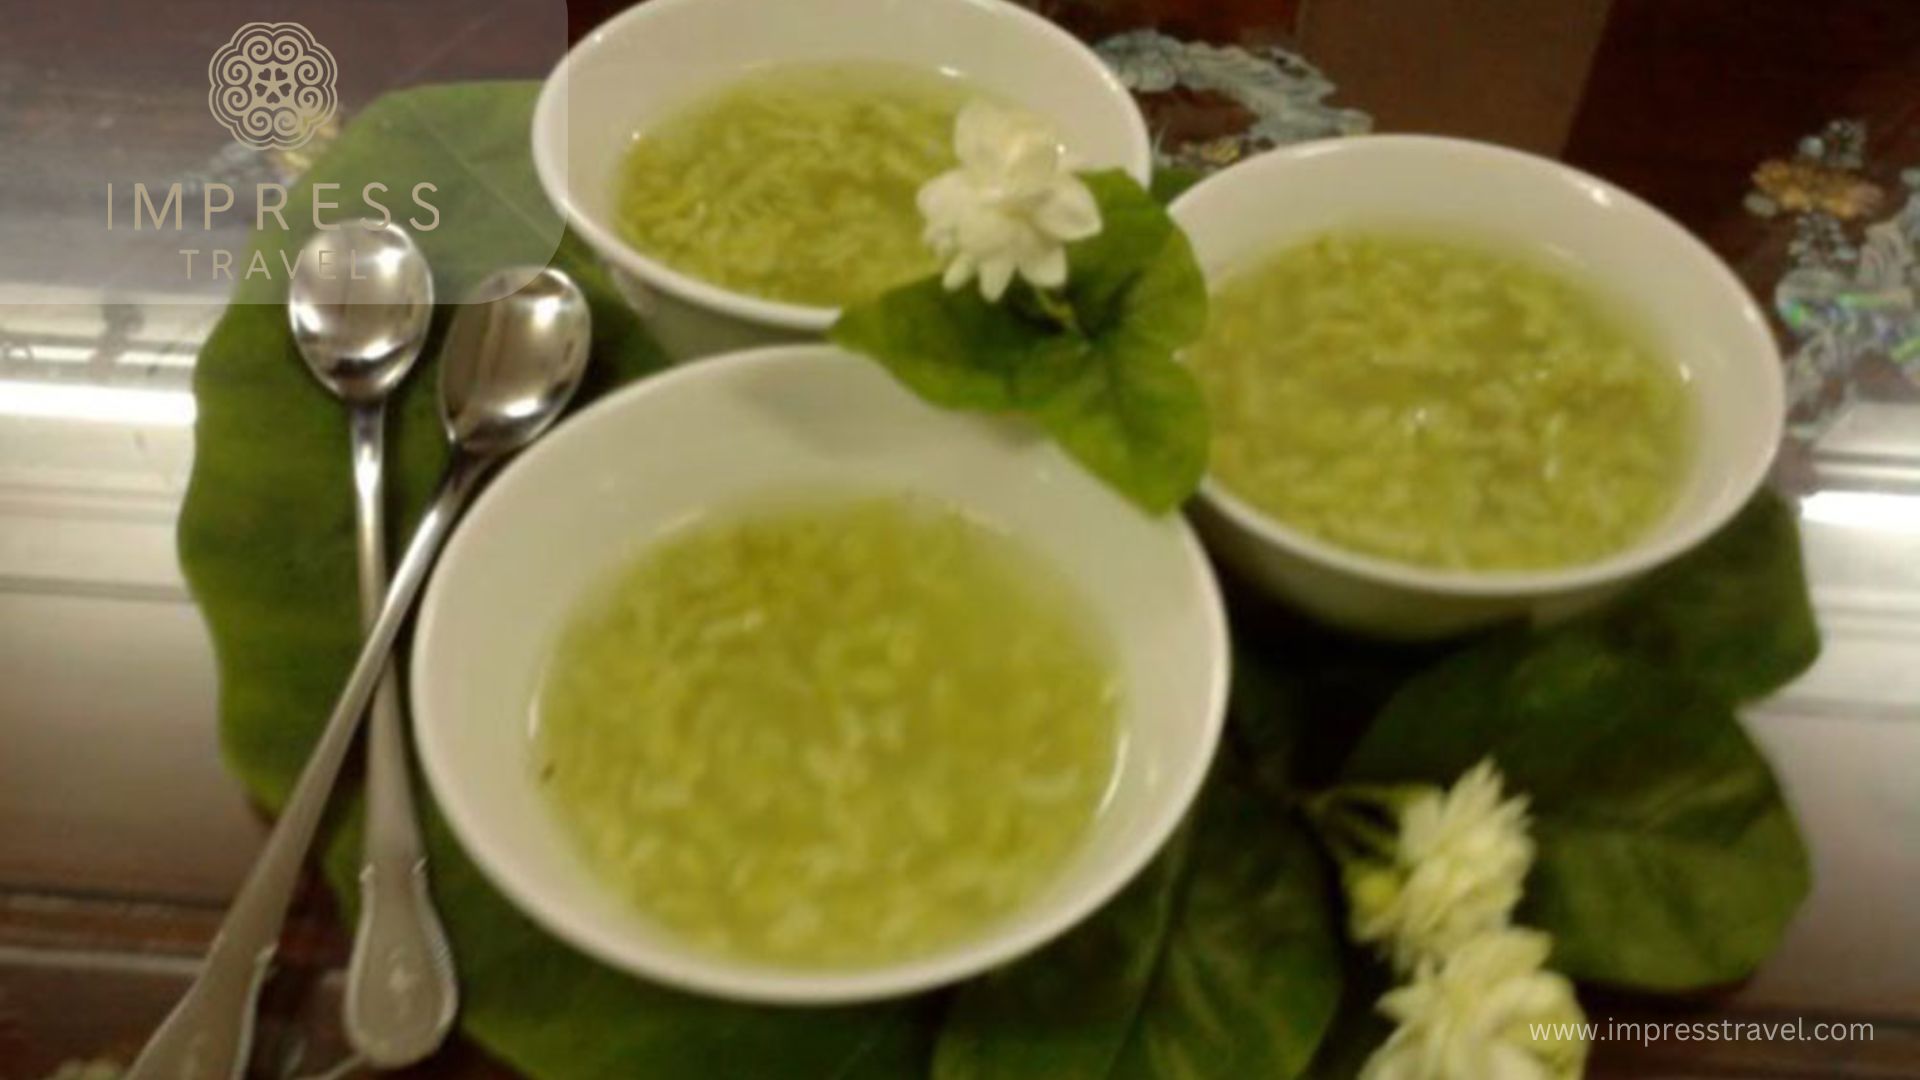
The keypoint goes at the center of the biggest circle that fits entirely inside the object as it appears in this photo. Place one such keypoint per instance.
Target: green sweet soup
(797, 183)
(1439, 403)
(831, 733)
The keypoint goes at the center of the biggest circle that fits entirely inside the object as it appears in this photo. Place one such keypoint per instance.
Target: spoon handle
(209, 1034)
(401, 992)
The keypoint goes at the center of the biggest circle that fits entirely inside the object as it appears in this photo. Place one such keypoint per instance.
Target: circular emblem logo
(271, 85)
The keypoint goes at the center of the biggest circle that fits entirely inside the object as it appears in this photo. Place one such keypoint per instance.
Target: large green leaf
(1172, 181)
(957, 350)
(1137, 275)
(1667, 858)
(1222, 960)
(266, 542)
(1106, 385)
(1357, 1028)
(1251, 974)
(1304, 695)
(1136, 419)
(1733, 614)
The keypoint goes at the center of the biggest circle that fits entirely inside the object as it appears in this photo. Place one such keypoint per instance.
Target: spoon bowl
(511, 363)
(360, 304)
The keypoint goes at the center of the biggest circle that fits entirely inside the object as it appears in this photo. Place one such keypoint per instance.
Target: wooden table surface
(121, 837)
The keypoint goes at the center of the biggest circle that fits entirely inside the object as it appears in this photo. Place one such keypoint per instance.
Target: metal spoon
(509, 366)
(360, 304)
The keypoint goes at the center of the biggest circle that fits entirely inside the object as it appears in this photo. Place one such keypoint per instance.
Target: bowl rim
(1744, 477)
(741, 980)
(554, 175)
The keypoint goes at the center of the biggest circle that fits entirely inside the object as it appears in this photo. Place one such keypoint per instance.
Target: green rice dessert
(1434, 402)
(797, 183)
(829, 734)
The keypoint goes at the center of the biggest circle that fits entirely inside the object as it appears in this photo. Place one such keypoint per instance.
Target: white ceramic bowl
(707, 436)
(656, 57)
(1696, 310)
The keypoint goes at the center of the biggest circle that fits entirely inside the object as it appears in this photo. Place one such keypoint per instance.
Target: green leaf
(1252, 969)
(958, 351)
(1171, 182)
(1304, 695)
(1136, 419)
(1066, 1012)
(1105, 385)
(1222, 960)
(554, 1014)
(1667, 858)
(1358, 1028)
(1138, 271)
(266, 543)
(1733, 614)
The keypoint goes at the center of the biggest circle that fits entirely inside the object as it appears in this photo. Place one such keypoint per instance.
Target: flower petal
(1069, 212)
(958, 272)
(1045, 269)
(1030, 159)
(944, 197)
(985, 231)
(996, 272)
(978, 133)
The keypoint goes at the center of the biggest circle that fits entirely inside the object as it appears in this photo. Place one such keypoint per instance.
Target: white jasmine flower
(1489, 1011)
(1459, 865)
(1011, 206)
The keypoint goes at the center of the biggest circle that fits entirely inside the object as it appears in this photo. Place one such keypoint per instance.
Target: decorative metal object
(1852, 307)
(1283, 96)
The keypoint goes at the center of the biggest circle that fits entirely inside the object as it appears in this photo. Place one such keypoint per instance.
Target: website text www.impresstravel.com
(1648, 1032)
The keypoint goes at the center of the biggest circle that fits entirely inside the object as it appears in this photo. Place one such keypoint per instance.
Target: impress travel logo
(272, 85)
(256, 133)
